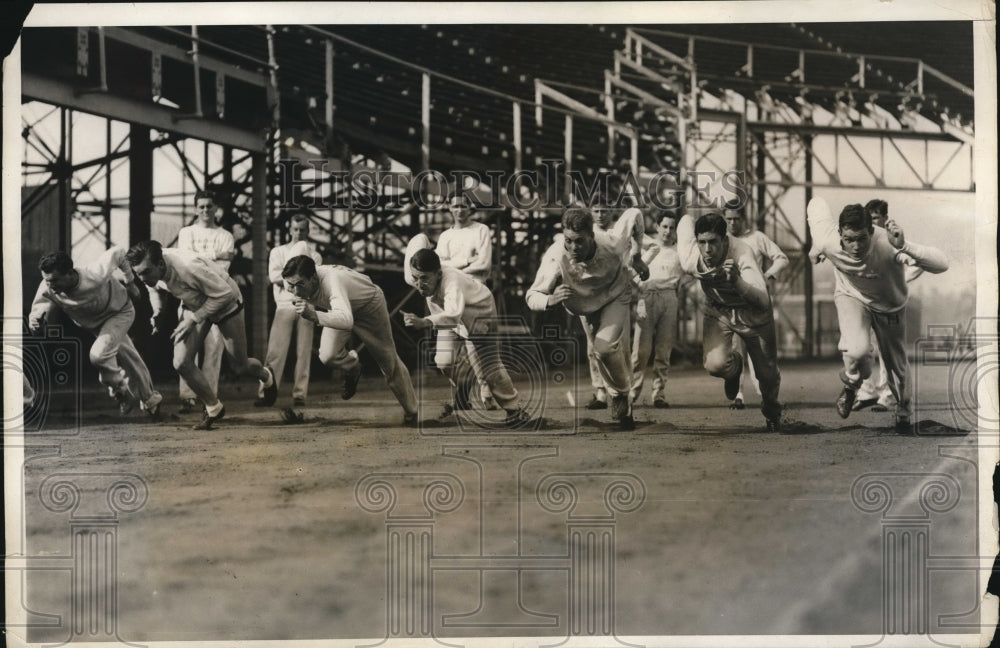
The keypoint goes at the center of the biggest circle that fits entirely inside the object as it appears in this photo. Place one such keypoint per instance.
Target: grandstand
(225, 105)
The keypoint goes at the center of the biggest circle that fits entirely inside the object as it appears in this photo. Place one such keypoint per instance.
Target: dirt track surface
(259, 530)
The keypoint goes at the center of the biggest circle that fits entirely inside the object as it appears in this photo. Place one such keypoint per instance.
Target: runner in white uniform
(870, 294)
(93, 298)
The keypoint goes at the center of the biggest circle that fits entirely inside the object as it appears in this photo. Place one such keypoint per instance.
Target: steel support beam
(814, 129)
(58, 93)
(808, 337)
(64, 179)
(261, 282)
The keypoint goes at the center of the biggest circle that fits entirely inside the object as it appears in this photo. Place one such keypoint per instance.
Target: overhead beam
(132, 111)
(621, 59)
(814, 129)
(180, 54)
(542, 89)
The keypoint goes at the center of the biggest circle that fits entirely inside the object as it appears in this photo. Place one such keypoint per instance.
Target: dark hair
(855, 217)
(576, 219)
(878, 205)
(204, 193)
(56, 262)
(667, 213)
(458, 194)
(301, 265)
(737, 206)
(298, 217)
(143, 250)
(710, 222)
(425, 260)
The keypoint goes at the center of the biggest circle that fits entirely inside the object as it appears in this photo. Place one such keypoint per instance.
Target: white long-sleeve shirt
(764, 248)
(276, 263)
(212, 242)
(665, 269)
(596, 282)
(203, 287)
(752, 307)
(459, 300)
(341, 290)
(96, 297)
(878, 280)
(469, 249)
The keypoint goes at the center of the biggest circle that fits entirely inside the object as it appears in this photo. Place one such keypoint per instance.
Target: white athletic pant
(655, 335)
(857, 323)
(373, 328)
(876, 385)
(485, 360)
(210, 361)
(232, 329)
(286, 320)
(609, 342)
(113, 351)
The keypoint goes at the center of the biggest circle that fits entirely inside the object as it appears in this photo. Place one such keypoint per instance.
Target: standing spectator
(467, 246)
(206, 238)
(285, 318)
(656, 325)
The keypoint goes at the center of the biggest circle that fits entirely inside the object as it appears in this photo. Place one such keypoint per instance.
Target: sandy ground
(255, 530)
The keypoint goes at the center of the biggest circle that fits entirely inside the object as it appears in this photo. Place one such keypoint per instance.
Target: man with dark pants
(770, 259)
(736, 303)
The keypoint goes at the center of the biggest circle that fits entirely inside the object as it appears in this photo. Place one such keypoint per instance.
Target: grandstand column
(329, 91)
(634, 156)
(425, 122)
(517, 137)
(261, 284)
(568, 157)
(140, 183)
(63, 175)
(807, 274)
(761, 181)
(742, 146)
(609, 108)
